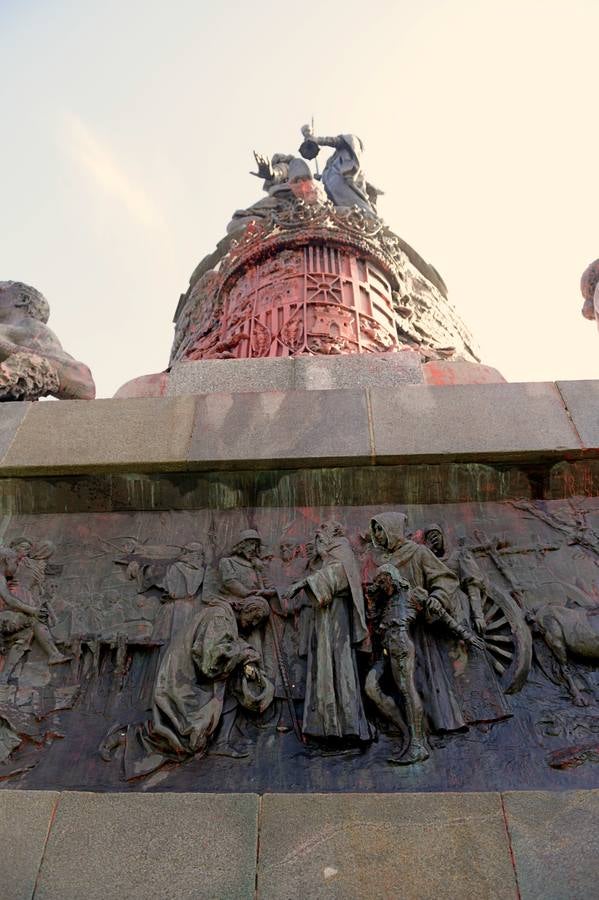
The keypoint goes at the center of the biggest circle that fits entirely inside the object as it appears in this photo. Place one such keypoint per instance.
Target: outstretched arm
(321, 141)
(438, 612)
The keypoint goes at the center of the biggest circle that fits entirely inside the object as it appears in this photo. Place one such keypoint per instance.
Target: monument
(311, 271)
(373, 573)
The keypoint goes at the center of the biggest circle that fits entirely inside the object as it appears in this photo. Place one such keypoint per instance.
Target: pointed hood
(394, 526)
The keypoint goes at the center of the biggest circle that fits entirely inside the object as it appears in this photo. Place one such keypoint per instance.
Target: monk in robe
(333, 708)
(201, 663)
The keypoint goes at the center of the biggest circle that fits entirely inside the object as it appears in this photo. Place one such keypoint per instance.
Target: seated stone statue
(32, 361)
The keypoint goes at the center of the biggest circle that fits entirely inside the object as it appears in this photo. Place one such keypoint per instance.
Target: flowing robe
(200, 662)
(333, 705)
(457, 690)
(342, 175)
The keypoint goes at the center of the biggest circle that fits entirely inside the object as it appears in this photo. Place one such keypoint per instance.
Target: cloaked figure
(458, 688)
(343, 177)
(336, 631)
(203, 666)
(397, 610)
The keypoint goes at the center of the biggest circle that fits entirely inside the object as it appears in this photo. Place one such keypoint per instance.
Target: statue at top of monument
(286, 177)
(280, 171)
(588, 286)
(343, 176)
(32, 361)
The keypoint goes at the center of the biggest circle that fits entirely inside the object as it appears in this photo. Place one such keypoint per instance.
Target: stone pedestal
(513, 467)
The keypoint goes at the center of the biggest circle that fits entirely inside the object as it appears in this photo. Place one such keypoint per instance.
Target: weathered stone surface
(230, 376)
(11, 417)
(153, 385)
(25, 818)
(399, 845)
(309, 373)
(286, 428)
(411, 423)
(356, 371)
(487, 420)
(582, 402)
(106, 433)
(555, 841)
(125, 846)
(441, 372)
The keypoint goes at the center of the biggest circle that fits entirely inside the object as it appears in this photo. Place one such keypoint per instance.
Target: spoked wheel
(508, 641)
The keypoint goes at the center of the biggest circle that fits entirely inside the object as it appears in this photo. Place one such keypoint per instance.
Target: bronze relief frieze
(423, 647)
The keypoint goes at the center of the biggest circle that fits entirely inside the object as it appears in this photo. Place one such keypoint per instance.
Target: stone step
(66, 846)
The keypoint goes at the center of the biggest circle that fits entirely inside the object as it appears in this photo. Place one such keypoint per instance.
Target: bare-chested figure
(32, 361)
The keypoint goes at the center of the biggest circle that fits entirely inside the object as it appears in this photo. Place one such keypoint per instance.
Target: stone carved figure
(202, 665)
(342, 176)
(569, 632)
(282, 642)
(397, 607)
(23, 617)
(32, 361)
(492, 613)
(176, 572)
(588, 288)
(458, 689)
(333, 709)
(285, 178)
(243, 574)
(464, 566)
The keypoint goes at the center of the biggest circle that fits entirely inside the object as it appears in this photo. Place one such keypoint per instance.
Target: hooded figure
(462, 563)
(457, 690)
(334, 631)
(415, 562)
(202, 664)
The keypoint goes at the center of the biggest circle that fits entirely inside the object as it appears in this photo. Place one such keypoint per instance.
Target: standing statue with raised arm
(342, 176)
(32, 361)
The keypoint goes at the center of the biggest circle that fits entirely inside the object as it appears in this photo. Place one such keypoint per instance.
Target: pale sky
(128, 128)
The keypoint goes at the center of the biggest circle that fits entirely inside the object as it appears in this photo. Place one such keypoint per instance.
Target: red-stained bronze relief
(273, 640)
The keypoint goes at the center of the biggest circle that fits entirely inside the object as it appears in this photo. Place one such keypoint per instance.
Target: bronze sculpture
(333, 708)
(397, 608)
(201, 662)
(24, 617)
(342, 176)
